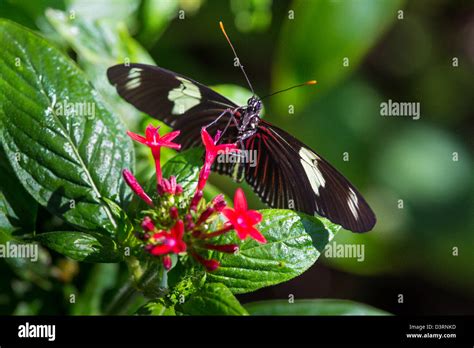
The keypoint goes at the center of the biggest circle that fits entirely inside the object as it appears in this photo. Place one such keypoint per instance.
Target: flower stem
(121, 300)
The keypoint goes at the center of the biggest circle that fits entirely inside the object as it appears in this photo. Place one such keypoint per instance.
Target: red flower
(212, 150)
(167, 262)
(153, 140)
(169, 241)
(135, 186)
(218, 203)
(211, 265)
(242, 219)
(169, 186)
(147, 224)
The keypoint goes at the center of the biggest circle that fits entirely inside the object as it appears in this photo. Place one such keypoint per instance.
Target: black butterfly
(288, 174)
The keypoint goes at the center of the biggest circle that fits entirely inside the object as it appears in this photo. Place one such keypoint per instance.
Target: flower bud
(174, 213)
(167, 262)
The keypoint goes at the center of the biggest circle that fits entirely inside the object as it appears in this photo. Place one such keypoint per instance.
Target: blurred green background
(362, 53)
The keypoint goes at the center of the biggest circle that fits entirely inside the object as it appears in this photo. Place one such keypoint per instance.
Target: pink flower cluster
(186, 230)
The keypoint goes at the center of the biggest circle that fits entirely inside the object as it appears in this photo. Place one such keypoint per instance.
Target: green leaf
(311, 307)
(88, 247)
(17, 208)
(100, 44)
(294, 242)
(212, 299)
(184, 279)
(116, 10)
(67, 161)
(185, 167)
(156, 307)
(155, 16)
(322, 34)
(124, 231)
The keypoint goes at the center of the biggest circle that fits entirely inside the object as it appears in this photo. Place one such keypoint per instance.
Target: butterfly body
(250, 119)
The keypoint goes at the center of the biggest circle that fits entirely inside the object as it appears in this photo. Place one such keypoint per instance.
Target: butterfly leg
(229, 111)
(232, 118)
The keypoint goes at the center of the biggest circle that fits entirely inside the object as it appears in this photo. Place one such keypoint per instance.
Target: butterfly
(287, 174)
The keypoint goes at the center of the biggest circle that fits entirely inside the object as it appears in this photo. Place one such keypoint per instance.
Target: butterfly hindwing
(288, 174)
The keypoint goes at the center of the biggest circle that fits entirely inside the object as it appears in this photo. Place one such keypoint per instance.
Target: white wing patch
(185, 96)
(315, 177)
(352, 202)
(134, 78)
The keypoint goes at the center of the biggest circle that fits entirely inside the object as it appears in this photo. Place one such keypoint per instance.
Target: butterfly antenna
(235, 54)
(311, 82)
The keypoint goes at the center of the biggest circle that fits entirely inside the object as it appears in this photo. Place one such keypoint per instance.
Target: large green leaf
(320, 35)
(80, 246)
(212, 299)
(294, 242)
(99, 44)
(17, 207)
(311, 307)
(66, 160)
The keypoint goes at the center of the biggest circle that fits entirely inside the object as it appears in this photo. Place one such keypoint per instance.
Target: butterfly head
(254, 104)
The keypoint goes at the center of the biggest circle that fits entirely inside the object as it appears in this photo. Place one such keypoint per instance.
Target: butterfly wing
(177, 100)
(288, 174)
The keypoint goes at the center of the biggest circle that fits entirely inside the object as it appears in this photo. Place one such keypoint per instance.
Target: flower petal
(240, 202)
(207, 140)
(151, 132)
(253, 217)
(255, 234)
(178, 230)
(170, 145)
(137, 137)
(242, 232)
(180, 247)
(170, 136)
(160, 250)
(230, 214)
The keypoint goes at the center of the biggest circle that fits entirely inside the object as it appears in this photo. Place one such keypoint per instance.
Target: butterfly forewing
(177, 100)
